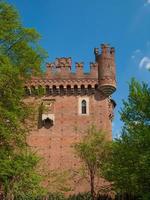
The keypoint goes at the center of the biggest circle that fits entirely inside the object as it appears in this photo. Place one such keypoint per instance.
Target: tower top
(63, 62)
(101, 76)
(106, 51)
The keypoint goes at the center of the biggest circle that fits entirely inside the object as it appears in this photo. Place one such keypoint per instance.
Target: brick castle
(69, 104)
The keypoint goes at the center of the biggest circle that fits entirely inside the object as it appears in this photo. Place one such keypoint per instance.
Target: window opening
(84, 107)
(48, 123)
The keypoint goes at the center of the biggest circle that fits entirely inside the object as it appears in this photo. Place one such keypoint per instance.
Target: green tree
(129, 161)
(19, 56)
(92, 150)
(17, 43)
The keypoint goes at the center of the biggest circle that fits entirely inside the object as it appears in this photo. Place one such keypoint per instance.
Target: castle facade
(69, 103)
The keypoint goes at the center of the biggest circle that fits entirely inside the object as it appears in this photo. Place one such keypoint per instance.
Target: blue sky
(72, 28)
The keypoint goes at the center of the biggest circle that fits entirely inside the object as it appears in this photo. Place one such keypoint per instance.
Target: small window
(47, 123)
(84, 107)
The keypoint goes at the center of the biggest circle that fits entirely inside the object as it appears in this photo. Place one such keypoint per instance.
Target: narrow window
(83, 105)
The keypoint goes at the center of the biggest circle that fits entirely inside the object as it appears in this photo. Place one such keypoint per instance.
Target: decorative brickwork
(69, 103)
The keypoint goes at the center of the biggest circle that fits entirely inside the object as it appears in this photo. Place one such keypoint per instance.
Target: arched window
(61, 88)
(96, 86)
(84, 107)
(47, 89)
(48, 123)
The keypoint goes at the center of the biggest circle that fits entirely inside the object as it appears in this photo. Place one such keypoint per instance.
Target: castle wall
(64, 92)
(55, 144)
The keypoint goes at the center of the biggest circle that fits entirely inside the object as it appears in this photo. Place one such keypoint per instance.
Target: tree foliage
(19, 55)
(17, 43)
(92, 150)
(129, 161)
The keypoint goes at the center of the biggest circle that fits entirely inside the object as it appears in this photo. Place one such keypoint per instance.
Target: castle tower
(66, 105)
(106, 69)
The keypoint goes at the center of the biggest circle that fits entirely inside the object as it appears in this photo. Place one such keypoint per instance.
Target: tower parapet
(93, 69)
(63, 66)
(59, 78)
(79, 69)
(106, 69)
(49, 67)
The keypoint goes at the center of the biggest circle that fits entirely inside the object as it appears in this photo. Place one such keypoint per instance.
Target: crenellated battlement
(62, 68)
(106, 52)
(59, 77)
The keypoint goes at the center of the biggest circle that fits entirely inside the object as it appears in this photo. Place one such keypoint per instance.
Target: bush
(81, 196)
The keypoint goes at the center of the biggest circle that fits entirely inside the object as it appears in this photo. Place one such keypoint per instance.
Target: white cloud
(137, 51)
(147, 2)
(145, 62)
(136, 54)
(133, 56)
(141, 58)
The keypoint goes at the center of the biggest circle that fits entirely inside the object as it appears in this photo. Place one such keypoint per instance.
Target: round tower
(106, 69)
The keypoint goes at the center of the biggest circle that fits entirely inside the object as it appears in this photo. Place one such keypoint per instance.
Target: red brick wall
(55, 145)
